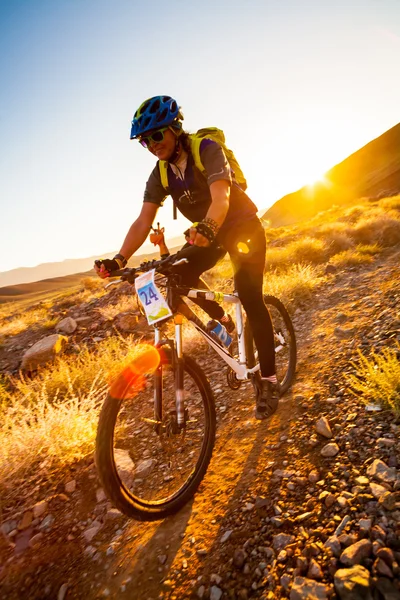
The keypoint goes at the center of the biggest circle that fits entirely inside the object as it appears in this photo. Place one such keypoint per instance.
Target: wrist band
(212, 224)
(121, 260)
(206, 231)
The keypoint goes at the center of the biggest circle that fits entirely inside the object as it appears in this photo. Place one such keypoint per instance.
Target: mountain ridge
(372, 170)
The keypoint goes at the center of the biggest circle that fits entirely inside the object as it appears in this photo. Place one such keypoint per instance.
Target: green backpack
(195, 139)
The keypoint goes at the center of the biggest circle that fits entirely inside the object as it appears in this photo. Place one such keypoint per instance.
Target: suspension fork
(157, 377)
(179, 370)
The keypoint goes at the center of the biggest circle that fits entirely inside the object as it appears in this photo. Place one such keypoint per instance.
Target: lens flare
(132, 378)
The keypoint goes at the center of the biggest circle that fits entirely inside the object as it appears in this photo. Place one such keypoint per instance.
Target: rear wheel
(285, 343)
(150, 468)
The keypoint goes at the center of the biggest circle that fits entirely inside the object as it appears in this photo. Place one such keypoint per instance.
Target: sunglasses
(156, 137)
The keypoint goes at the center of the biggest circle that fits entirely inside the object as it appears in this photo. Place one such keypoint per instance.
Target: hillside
(374, 170)
(37, 290)
(303, 505)
(73, 266)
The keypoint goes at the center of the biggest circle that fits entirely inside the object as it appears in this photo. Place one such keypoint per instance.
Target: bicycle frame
(239, 366)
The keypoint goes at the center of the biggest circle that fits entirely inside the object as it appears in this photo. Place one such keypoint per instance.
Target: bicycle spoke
(155, 461)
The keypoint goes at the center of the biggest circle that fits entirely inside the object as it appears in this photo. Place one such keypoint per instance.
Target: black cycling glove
(110, 264)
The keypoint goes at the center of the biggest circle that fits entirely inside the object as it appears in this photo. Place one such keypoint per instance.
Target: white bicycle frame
(239, 366)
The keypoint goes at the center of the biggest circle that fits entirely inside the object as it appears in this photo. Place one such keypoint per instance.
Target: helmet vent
(154, 107)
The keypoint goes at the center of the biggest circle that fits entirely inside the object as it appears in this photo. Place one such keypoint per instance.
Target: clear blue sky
(297, 85)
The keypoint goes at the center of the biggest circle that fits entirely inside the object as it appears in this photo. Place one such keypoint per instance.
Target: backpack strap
(163, 168)
(195, 142)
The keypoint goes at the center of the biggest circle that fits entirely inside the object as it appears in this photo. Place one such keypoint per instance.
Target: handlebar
(163, 266)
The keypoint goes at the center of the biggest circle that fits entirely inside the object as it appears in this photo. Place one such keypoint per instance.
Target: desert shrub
(301, 251)
(381, 229)
(295, 287)
(307, 250)
(124, 304)
(349, 258)
(352, 215)
(377, 378)
(392, 203)
(77, 374)
(92, 283)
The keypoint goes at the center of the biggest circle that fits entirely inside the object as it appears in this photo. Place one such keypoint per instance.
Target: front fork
(179, 391)
(178, 371)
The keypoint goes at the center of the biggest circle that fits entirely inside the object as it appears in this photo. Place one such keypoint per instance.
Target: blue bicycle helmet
(154, 113)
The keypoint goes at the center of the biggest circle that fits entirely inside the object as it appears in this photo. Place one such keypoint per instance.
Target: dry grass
(377, 379)
(76, 375)
(35, 319)
(92, 283)
(125, 304)
(305, 250)
(51, 422)
(296, 286)
(381, 228)
(361, 254)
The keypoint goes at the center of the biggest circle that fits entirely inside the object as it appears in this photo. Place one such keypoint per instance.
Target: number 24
(149, 298)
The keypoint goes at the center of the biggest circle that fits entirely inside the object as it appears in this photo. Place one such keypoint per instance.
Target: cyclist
(157, 239)
(224, 217)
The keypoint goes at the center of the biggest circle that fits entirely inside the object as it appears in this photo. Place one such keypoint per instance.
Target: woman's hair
(184, 140)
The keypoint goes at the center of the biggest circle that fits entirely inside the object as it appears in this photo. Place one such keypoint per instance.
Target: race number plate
(153, 302)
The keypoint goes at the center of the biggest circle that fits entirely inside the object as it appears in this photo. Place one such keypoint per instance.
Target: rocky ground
(305, 505)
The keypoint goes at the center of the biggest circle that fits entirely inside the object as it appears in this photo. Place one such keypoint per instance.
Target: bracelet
(206, 231)
(121, 260)
(212, 224)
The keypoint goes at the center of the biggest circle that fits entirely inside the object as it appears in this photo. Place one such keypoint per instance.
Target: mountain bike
(154, 444)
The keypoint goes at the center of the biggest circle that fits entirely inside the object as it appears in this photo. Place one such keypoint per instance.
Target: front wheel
(150, 466)
(284, 339)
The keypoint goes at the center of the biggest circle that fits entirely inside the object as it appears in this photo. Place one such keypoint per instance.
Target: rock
(334, 545)
(323, 428)
(388, 500)
(67, 325)
(125, 465)
(381, 471)
(26, 520)
(226, 535)
(93, 530)
(239, 558)
(330, 450)
(39, 509)
(387, 589)
(342, 525)
(281, 540)
(387, 555)
(355, 553)
(313, 476)
(35, 541)
(126, 321)
(377, 490)
(353, 583)
(62, 591)
(215, 593)
(44, 351)
(365, 525)
(381, 568)
(307, 589)
(314, 570)
(113, 513)
(100, 495)
(70, 486)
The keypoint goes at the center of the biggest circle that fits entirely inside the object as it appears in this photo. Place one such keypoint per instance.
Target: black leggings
(246, 247)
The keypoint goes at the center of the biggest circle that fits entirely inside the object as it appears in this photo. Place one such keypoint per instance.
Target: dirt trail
(193, 553)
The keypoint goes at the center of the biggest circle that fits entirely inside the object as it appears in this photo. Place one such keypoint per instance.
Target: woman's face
(164, 149)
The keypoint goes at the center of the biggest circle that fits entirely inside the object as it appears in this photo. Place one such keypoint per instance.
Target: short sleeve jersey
(192, 193)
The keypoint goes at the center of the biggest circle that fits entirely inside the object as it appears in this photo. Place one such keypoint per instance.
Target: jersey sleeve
(154, 191)
(215, 162)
